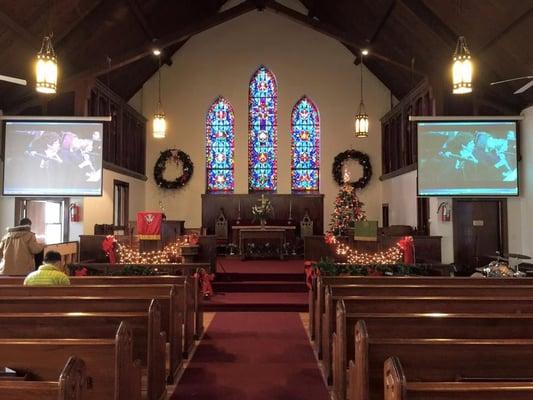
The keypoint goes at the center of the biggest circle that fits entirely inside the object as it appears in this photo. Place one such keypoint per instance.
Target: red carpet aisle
(253, 356)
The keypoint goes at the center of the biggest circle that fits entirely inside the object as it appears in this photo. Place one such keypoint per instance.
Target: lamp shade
(46, 68)
(462, 69)
(361, 125)
(159, 125)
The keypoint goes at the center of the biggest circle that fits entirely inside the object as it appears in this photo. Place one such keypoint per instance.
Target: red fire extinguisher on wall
(445, 212)
(75, 212)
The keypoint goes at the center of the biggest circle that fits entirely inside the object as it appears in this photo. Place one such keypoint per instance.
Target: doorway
(479, 232)
(49, 217)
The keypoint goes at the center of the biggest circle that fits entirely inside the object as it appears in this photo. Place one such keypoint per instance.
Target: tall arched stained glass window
(305, 134)
(262, 131)
(220, 146)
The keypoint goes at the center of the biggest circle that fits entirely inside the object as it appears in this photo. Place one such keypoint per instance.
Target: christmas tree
(348, 209)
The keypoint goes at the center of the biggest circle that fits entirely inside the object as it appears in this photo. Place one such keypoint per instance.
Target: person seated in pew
(17, 249)
(48, 274)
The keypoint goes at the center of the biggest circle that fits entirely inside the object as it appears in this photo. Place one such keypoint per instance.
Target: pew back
(70, 385)
(397, 387)
(111, 370)
(436, 360)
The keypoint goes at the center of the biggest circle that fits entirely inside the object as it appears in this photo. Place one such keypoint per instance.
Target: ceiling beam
(382, 22)
(332, 32)
(513, 25)
(430, 19)
(443, 31)
(141, 19)
(58, 39)
(168, 40)
(21, 32)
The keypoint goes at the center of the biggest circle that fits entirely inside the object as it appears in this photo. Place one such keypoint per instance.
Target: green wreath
(362, 158)
(176, 156)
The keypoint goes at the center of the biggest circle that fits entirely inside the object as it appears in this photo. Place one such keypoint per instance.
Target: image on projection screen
(467, 159)
(53, 158)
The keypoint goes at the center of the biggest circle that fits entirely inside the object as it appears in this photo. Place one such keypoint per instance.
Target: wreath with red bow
(176, 156)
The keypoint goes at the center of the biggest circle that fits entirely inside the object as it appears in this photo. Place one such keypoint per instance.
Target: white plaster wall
(221, 61)
(400, 193)
(99, 210)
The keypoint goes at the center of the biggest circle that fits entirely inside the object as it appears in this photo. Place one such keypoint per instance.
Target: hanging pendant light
(159, 124)
(361, 119)
(46, 68)
(462, 69)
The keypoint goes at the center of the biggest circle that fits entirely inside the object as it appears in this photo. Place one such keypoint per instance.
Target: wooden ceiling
(408, 40)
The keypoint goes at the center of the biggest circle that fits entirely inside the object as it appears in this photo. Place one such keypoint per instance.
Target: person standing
(18, 248)
(48, 274)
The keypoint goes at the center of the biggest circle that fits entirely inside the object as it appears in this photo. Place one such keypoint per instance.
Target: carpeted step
(257, 276)
(258, 301)
(260, 286)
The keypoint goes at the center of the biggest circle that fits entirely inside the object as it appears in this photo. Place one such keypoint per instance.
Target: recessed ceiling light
(156, 52)
(364, 52)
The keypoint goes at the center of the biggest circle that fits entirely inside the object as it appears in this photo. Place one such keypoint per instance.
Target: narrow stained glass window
(262, 131)
(220, 146)
(305, 134)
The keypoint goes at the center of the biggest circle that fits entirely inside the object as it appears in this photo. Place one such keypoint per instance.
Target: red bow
(108, 245)
(407, 245)
(205, 280)
(310, 272)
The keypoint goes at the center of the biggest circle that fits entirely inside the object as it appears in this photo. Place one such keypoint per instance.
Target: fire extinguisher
(75, 212)
(445, 211)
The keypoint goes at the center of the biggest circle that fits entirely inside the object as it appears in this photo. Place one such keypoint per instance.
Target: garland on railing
(390, 256)
(328, 267)
(171, 253)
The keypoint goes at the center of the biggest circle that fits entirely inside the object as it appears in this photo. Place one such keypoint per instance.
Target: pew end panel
(176, 331)
(127, 371)
(394, 380)
(339, 361)
(327, 330)
(156, 359)
(319, 311)
(360, 384)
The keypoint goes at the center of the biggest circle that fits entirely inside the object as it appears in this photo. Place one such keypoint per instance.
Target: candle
(290, 207)
(239, 207)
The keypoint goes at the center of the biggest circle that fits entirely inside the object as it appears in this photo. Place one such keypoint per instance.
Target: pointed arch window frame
(223, 137)
(262, 131)
(305, 142)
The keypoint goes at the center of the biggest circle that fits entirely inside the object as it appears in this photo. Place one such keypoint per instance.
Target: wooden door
(479, 230)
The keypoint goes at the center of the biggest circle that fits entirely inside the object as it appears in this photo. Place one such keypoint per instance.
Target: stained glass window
(262, 127)
(305, 134)
(220, 146)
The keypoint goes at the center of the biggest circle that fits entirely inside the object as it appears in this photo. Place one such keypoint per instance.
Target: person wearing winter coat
(18, 248)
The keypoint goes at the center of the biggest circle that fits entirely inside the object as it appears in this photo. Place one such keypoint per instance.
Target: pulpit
(155, 232)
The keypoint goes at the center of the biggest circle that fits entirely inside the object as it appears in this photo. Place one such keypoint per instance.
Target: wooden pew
(111, 371)
(336, 292)
(397, 387)
(69, 386)
(317, 292)
(148, 339)
(436, 360)
(180, 303)
(193, 295)
(419, 325)
(171, 322)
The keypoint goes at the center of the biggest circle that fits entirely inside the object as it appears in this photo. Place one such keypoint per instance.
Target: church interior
(266, 199)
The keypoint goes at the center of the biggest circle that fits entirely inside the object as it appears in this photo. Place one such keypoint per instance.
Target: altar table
(249, 233)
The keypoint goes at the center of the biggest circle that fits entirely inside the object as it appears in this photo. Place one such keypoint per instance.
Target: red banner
(149, 225)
